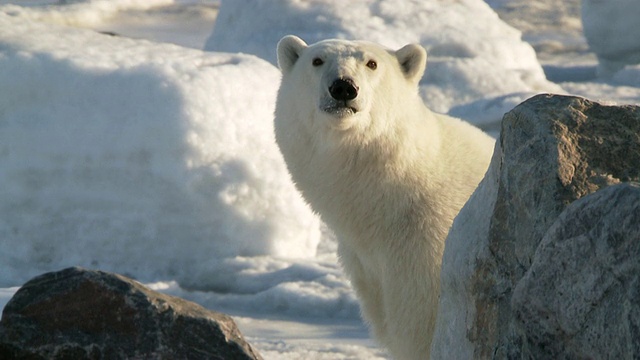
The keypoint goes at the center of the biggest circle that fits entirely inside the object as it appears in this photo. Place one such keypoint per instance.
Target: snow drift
(473, 55)
(612, 31)
(146, 159)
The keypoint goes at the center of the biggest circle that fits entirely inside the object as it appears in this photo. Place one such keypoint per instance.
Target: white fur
(388, 179)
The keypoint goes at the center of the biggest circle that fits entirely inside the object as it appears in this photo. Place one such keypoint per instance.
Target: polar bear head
(346, 86)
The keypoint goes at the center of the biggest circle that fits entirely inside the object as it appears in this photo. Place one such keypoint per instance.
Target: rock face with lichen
(84, 314)
(552, 151)
(580, 298)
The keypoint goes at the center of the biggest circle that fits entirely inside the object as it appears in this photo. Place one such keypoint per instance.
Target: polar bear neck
(364, 176)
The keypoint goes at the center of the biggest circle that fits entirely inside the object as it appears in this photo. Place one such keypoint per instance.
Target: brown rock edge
(86, 314)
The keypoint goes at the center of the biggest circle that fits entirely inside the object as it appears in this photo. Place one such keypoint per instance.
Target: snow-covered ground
(125, 147)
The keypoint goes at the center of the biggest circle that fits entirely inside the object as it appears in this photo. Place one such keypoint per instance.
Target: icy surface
(158, 161)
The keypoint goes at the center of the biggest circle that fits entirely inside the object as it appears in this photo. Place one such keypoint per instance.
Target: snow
(125, 147)
(138, 152)
(616, 43)
(468, 60)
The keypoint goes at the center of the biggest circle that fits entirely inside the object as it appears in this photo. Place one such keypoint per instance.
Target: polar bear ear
(413, 61)
(289, 49)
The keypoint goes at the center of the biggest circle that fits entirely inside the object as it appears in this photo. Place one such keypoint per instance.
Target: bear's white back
(383, 171)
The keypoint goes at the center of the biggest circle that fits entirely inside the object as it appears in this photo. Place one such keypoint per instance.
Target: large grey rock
(83, 314)
(552, 151)
(580, 298)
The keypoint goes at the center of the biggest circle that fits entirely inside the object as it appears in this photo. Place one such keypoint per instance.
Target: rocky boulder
(580, 299)
(84, 314)
(552, 151)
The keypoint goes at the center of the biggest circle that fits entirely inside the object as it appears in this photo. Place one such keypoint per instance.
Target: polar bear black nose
(343, 89)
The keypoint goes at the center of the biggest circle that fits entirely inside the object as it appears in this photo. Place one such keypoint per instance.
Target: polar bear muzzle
(342, 92)
(343, 89)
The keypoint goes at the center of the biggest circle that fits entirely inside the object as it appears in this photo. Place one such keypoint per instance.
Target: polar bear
(385, 173)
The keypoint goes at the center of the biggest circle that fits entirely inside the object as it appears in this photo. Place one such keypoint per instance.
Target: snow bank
(612, 31)
(82, 13)
(265, 285)
(473, 55)
(183, 22)
(150, 160)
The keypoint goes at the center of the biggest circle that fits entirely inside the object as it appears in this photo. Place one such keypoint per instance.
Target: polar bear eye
(372, 64)
(317, 62)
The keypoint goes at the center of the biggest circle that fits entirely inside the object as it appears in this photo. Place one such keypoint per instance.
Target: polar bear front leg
(410, 303)
(369, 292)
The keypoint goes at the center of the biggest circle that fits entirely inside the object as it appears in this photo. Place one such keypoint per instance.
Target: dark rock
(84, 314)
(552, 151)
(580, 298)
